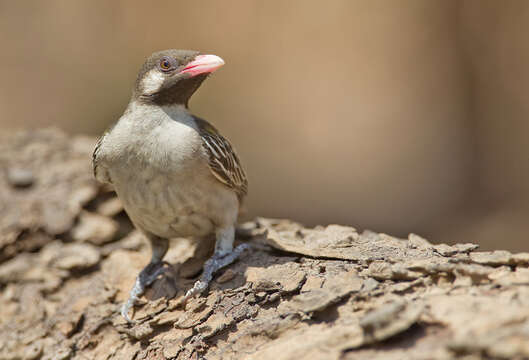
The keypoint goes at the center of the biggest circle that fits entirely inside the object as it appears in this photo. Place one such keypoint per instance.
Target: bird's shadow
(179, 277)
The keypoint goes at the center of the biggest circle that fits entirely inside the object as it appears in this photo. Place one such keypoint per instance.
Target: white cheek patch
(152, 81)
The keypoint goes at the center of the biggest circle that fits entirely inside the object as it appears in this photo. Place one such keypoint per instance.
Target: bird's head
(170, 77)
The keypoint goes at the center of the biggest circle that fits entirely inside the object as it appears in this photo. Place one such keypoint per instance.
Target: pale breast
(165, 206)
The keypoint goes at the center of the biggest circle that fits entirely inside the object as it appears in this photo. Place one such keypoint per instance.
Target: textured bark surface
(69, 256)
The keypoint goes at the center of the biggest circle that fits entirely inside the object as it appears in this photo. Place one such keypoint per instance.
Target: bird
(175, 174)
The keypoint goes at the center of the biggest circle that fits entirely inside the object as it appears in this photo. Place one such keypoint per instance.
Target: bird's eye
(166, 64)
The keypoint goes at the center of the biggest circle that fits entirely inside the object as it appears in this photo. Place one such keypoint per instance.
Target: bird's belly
(167, 206)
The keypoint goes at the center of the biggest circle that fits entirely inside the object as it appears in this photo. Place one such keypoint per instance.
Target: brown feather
(223, 160)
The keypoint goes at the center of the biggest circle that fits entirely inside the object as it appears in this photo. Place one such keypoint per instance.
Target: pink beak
(203, 64)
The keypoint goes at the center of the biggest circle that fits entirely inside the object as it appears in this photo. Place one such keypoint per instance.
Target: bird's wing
(99, 174)
(223, 160)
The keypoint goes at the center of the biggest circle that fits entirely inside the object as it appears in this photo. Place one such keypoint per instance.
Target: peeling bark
(69, 255)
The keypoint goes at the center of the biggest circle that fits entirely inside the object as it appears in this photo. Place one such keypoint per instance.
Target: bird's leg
(224, 255)
(148, 274)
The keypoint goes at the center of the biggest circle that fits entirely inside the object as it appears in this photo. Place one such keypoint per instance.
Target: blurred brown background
(399, 116)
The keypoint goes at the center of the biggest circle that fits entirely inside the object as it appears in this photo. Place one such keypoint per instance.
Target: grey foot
(217, 262)
(144, 279)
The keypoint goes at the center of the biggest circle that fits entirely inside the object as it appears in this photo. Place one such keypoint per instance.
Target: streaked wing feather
(95, 153)
(100, 172)
(223, 160)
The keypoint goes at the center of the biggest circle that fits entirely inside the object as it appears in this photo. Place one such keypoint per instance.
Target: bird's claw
(125, 311)
(197, 289)
(136, 291)
(143, 280)
(213, 265)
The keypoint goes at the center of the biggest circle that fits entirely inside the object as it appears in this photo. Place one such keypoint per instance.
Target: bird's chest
(165, 205)
(164, 199)
(167, 151)
(154, 172)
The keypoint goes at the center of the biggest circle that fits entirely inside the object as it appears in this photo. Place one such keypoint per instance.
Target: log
(69, 256)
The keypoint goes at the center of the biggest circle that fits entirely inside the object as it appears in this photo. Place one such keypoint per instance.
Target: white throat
(152, 82)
